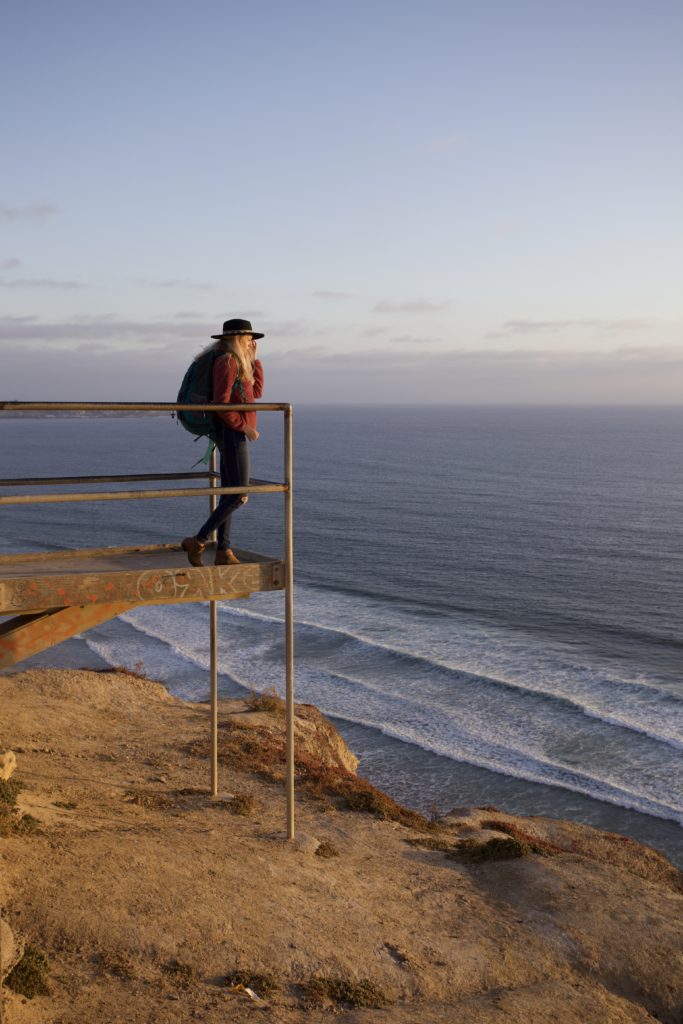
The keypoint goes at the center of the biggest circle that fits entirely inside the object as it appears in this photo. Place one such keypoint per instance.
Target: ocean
(489, 601)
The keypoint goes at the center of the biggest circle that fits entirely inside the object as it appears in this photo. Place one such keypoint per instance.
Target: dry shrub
(181, 974)
(493, 849)
(243, 804)
(25, 824)
(355, 793)
(261, 984)
(137, 671)
(269, 700)
(117, 962)
(247, 749)
(327, 850)
(260, 751)
(9, 790)
(356, 994)
(148, 799)
(536, 845)
(12, 821)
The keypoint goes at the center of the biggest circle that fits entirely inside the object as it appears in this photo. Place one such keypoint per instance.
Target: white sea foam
(511, 728)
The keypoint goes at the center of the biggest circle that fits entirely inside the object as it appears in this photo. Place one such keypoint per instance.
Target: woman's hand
(251, 434)
(252, 350)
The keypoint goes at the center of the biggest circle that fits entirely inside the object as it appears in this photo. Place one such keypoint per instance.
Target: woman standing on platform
(237, 378)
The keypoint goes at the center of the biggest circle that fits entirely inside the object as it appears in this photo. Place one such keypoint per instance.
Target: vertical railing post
(289, 620)
(213, 630)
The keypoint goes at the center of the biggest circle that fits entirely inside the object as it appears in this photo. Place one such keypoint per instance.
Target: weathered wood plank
(29, 634)
(22, 594)
(137, 556)
(25, 562)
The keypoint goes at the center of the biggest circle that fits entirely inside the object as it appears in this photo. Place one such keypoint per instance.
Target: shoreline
(421, 779)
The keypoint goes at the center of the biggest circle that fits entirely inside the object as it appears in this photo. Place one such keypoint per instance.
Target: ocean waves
(501, 701)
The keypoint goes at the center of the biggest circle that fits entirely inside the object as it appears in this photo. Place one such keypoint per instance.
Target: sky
(472, 201)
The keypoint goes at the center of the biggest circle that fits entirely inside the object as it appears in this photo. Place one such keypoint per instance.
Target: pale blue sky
(447, 201)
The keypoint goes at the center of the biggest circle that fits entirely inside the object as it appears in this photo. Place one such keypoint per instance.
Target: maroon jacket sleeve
(258, 378)
(224, 373)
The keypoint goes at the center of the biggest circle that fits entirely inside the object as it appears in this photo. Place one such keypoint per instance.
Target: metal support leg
(213, 629)
(213, 613)
(289, 622)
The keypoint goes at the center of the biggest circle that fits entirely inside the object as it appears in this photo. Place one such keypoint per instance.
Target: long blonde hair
(233, 344)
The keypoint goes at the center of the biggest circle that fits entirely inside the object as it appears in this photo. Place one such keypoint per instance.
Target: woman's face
(245, 343)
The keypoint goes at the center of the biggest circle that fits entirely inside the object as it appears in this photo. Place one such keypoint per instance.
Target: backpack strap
(238, 385)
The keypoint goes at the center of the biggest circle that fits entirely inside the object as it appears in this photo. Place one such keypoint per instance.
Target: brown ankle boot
(226, 556)
(194, 548)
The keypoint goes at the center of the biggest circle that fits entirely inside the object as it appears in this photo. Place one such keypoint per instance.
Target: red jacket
(224, 375)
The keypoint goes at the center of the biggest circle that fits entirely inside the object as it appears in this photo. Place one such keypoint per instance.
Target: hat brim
(231, 334)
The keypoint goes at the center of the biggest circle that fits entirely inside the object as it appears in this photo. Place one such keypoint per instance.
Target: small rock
(8, 764)
(305, 843)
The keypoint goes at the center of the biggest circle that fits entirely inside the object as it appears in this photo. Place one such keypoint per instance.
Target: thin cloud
(333, 295)
(34, 211)
(107, 327)
(372, 332)
(40, 282)
(444, 362)
(182, 282)
(8, 322)
(10, 264)
(417, 306)
(410, 339)
(544, 326)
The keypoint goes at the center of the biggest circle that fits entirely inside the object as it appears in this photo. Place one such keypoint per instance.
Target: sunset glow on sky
(435, 201)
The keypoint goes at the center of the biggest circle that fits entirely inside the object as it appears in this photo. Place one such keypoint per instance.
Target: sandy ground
(145, 895)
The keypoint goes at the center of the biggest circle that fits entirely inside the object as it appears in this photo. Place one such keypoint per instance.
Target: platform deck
(154, 574)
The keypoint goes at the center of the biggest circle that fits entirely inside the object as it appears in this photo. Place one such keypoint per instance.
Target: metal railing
(212, 492)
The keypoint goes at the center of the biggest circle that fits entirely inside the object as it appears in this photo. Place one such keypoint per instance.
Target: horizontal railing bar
(190, 492)
(140, 407)
(39, 481)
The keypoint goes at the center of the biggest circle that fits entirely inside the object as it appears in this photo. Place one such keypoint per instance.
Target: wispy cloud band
(414, 306)
(34, 211)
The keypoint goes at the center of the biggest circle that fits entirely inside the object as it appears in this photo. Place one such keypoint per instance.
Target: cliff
(135, 897)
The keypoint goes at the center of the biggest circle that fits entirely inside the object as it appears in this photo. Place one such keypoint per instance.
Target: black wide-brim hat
(237, 327)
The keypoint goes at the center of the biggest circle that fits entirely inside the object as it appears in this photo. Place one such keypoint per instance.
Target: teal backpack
(197, 389)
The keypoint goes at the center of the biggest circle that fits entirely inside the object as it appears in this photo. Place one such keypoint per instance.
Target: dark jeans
(234, 450)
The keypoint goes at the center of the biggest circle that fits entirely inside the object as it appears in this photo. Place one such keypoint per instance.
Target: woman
(237, 378)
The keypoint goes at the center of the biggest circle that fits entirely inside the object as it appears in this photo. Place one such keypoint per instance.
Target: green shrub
(28, 977)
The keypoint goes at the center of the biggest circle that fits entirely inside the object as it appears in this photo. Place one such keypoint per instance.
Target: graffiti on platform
(192, 585)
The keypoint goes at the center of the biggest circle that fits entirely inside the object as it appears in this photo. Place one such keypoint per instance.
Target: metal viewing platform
(54, 595)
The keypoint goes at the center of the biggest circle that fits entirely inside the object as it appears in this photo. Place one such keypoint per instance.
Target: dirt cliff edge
(149, 901)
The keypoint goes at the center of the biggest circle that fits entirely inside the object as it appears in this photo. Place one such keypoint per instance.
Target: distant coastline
(30, 414)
